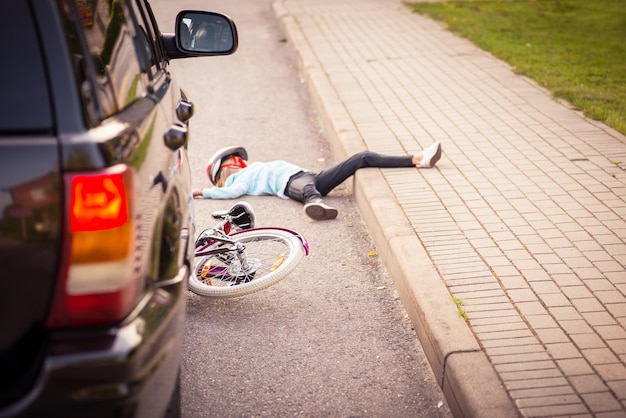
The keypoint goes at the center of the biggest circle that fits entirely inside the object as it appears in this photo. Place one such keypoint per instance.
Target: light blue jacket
(256, 179)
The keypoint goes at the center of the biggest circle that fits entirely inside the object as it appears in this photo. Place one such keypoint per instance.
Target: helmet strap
(237, 162)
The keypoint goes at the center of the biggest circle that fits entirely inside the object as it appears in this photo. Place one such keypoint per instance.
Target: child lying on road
(233, 177)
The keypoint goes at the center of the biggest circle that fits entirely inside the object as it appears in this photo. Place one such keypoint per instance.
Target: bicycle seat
(241, 214)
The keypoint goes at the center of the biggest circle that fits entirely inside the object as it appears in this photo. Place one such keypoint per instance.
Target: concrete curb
(469, 381)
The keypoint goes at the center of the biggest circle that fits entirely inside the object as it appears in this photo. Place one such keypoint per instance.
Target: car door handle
(160, 179)
(184, 110)
(175, 137)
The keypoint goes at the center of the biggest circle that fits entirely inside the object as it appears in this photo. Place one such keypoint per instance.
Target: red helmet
(214, 167)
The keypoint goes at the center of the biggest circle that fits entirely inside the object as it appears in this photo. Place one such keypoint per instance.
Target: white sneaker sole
(320, 211)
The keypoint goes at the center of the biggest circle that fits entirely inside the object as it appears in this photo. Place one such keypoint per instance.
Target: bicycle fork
(243, 260)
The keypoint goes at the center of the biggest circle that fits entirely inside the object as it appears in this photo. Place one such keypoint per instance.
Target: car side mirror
(199, 33)
(205, 33)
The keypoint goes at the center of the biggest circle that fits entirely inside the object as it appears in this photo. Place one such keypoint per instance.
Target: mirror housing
(200, 34)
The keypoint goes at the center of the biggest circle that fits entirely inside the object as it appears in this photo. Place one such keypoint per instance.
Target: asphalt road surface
(330, 340)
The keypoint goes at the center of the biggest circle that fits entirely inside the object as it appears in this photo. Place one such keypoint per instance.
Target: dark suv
(96, 214)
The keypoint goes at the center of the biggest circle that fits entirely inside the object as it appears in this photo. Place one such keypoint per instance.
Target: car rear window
(24, 102)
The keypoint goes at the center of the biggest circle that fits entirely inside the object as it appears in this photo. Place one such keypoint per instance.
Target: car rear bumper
(129, 370)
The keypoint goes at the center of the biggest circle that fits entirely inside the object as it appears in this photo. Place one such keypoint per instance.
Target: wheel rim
(271, 255)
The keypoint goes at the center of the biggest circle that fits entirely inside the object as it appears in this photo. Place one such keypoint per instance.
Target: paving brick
(502, 335)
(463, 281)
(561, 351)
(587, 305)
(558, 268)
(507, 270)
(541, 321)
(567, 279)
(526, 366)
(576, 292)
(576, 261)
(473, 309)
(520, 358)
(618, 346)
(479, 277)
(597, 356)
(551, 401)
(509, 342)
(577, 326)
(589, 273)
(521, 295)
(591, 340)
(598, 318)
(531, 308)
(611, 332)
(454, 268)
(616, 249)
(588, 383)
(503, 318)
(514, 350)
(619, 388)
(552, 300)
(495, 295)
(618, 310)
(524, 265)
(513, 282)
(577, 409)
(476, 287)
(537, 383)
(611, 297)
(565, 313)
(542, 392)
(545, 287)
(531, 374)
(598, 285)
(574, 366)
(549, 259)
(602, 402)
(552, 335)
(612, 372)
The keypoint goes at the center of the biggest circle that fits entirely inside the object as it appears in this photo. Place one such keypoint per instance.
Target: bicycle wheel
(269, 255)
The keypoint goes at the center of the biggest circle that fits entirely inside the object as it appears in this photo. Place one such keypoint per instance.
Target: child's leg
(334, 176)
(301, 187)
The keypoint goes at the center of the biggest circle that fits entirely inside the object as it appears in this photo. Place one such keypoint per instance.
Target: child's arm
(231, 192)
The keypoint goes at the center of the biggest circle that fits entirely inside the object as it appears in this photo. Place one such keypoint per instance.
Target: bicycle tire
(274, 253)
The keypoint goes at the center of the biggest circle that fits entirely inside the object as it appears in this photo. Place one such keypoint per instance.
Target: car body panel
(68, 113)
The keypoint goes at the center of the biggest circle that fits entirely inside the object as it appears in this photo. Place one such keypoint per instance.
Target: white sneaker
(431, 155)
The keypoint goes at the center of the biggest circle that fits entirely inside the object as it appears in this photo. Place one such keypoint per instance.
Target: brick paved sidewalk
(523, 221)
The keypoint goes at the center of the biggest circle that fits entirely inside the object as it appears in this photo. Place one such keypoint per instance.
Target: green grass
(574, 48)
(459, 307)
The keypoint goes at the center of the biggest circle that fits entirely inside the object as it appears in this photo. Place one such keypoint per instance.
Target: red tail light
(98, 202)
(98, 285)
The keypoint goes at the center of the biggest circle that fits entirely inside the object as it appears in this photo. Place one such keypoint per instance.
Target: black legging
(327, 180)
(309, 186)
